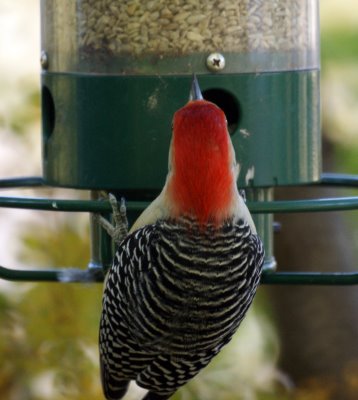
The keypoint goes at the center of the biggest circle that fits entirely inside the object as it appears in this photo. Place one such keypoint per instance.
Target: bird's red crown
(202, 179)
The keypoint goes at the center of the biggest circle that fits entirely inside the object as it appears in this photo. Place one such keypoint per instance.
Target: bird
(184, 276)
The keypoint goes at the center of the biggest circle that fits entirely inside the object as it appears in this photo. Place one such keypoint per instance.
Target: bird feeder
(114, 72)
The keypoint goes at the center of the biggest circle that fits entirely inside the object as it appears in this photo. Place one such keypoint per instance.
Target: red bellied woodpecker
(185, 275)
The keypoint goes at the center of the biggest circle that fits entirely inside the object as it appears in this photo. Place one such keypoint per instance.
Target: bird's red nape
(202, 179)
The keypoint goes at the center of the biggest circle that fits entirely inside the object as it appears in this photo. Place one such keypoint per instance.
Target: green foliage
(346, 159)
(27, 112)
(339, 46)
(49, 332)
(59, 242)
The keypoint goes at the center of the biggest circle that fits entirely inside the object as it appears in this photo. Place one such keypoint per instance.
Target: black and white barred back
(174, 296)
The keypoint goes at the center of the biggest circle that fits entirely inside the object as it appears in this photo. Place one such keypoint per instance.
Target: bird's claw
(242, 194)
(118, 229)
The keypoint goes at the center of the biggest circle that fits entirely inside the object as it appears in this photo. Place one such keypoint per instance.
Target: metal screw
(44, 59)
(215, 62)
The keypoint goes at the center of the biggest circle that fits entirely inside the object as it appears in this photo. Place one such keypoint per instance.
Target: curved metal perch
(94, 273)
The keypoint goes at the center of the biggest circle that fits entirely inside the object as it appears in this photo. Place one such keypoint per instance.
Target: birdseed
(182, 27)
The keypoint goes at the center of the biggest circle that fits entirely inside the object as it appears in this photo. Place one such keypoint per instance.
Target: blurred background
(296, 342)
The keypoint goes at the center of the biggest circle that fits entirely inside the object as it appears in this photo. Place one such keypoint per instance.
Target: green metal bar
(67, 275)
(264, 224)
(29, 181)
(311, 205)
(327, 179)
(310, 278)
(45, 275)
(65, 205)
(344, 180)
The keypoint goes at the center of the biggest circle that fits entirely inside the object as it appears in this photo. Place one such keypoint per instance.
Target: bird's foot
(242, 194)
(118, 229)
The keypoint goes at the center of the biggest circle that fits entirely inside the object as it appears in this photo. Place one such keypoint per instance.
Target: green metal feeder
(114, 73)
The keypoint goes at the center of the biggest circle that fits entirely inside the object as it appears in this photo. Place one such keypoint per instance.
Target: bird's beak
(195, 92)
